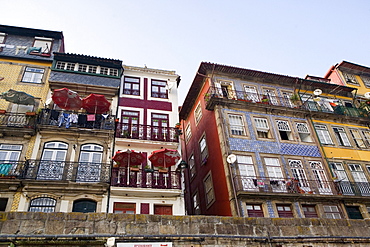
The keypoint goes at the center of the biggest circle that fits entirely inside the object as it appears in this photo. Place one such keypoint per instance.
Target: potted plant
(295, 98)
(177, 126)
(265, 100)
(134, 168)
(148, 169)
(162, 169)
(2, 111)
(30, 113)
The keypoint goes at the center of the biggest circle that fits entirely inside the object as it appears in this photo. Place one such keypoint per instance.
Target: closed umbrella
(67, 99)
(96, 103)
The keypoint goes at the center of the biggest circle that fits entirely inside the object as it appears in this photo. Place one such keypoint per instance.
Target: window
(131, 85)
(354, 212)
(341, 136)
(309, 211)
(262, 127)
(303, 132)
(254, 210)
(208, 187)
(191, 163)
(2, 40)
(42, 204)
(332, 212)
(70, 66)
(52, 161)
(271, 95)
(3, 203)
(299, 174)
(83, 67)
(203, 150)
(163, 209)
(251, 92)
(159, 89)
(160, 125)
(196, 204)
(84, 206)
(360, 178)
(130, 124)
(360, 143)
(365, 79)
(323, 134)
(284, 210)
(9, 156)
(92, 69)
(33, 75)
(43, 43)
(284, 130)
(89, 166)
(187, 133)
(275, 174)
(366, 135)
(225, 89)
(198, 113)
(350, 78)
(236, 125)
(320, 177)
(108, 71)
(247, 172)
(124, 208)
(342, 182)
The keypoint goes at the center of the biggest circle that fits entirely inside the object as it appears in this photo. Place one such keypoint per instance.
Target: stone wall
(93, 229)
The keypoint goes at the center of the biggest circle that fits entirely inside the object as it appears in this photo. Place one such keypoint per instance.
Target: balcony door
(130, 124)
(343, 185)
(160, 126)
(360, 179)
(299, 174)
(247, 173)
(52, 161)
(9, 157)
(89, 165)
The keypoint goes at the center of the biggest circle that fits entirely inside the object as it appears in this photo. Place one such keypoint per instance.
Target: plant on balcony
(30, 113)
(162, 169)
(295, 98)
(177, 126)
(125, 134)
(2, 111)
(134, 168)
(148, 169)
(265, 100)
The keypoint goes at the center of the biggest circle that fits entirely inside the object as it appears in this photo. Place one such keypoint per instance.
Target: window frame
(308, 214)
(235, 127)
(198, 114)
(203, 149)
(284, 213)
(262, 132)
(2, 39)
(49, 45)
(328, 211)
(159, 94)
(209, 190)
(196, 203)
(253, 212)
(34, 77)
(188, 132)
(192, 168)
(43, 206)
(324, 132)
(131, 207)
(341, 136)
(357, 138)
(132, 84)
(302, 133)
(284, 129)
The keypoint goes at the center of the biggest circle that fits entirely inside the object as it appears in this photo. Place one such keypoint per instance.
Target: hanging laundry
(91, 117)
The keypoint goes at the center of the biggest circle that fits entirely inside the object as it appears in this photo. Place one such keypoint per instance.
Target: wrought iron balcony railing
(282, 185)
(216, 94)
(147, 132)
(18, 120)
(138, 178)
(48, 117)
(66, 171)
(11, 169)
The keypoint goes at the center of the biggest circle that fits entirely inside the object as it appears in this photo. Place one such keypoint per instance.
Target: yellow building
(26, 56)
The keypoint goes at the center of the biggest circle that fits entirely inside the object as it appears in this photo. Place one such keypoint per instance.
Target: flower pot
(2, 111)
(134, 169)
(30, 113)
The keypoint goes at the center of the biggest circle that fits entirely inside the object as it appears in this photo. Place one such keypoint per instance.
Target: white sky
(288, 37)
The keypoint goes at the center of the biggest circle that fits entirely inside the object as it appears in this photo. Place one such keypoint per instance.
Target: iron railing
(62, 119)
(266, 99)
(147, 132)
(66, 171)
(19, 120)
(138, 178)
(11, 169)
(283, 185)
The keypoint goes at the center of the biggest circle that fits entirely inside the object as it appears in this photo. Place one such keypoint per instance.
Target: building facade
(250, 139)
(26, 56)
(147, 114)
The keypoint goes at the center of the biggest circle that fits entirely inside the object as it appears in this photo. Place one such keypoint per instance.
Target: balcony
(147, 132)
(17, 124)
(215, 96)
(281, 185)
(138, 178)
(62, 119)
(79, 172)
(11, 169)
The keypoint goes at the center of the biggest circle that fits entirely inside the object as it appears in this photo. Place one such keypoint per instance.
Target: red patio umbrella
(128, 158)
(164, 157)
(67, 99)
(95, 103)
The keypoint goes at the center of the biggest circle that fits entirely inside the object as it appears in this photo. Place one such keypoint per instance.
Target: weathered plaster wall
(93, 229)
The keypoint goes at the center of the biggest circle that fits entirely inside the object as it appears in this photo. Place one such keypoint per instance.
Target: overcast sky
(288, 37)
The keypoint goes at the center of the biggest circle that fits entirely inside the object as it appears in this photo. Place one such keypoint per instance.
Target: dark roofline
(206, 67)
(69, 57)
(353, 66)
(24, 31)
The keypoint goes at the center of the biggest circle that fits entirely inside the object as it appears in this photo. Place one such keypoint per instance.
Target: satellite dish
(317, 92)
(367, 95)
(231, 158)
